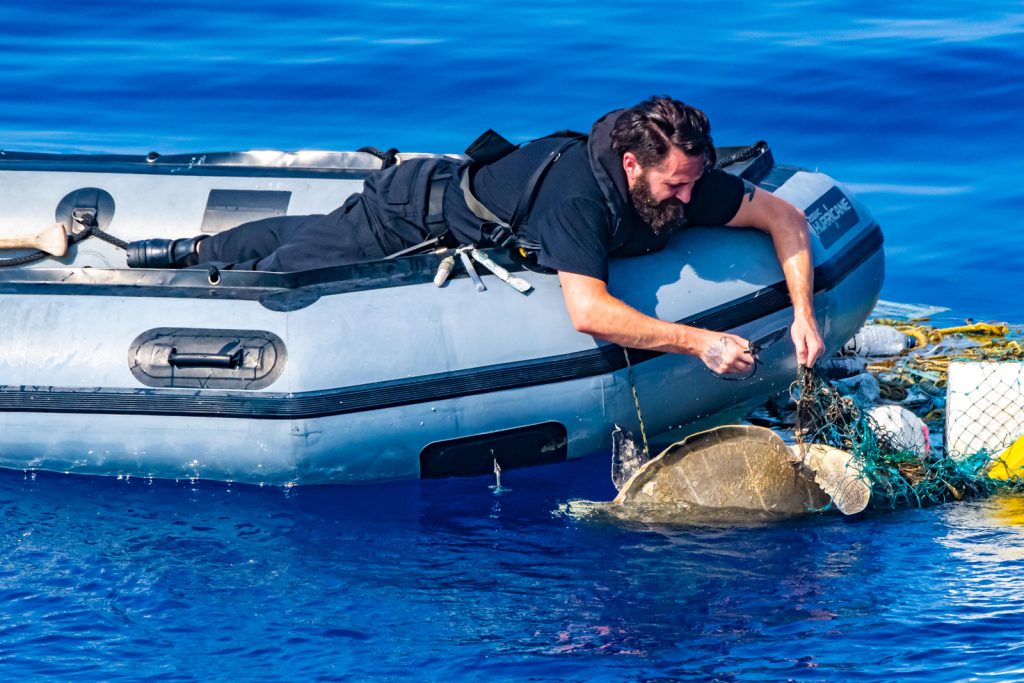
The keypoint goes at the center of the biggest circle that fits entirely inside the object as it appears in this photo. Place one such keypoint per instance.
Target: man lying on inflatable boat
(568, 200)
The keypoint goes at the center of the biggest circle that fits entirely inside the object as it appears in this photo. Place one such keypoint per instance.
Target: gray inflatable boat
(369, 371)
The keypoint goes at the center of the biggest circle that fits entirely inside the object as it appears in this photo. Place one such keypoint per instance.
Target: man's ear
(631, 165)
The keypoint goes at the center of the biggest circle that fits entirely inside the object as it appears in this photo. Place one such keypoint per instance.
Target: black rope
(754, 150)
(40, 255)
(732, 378)
(388, 158)
(23, 260)
(108, 238)
(92, 229)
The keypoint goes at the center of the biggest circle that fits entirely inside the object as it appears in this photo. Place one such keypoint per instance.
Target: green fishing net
(831, 413)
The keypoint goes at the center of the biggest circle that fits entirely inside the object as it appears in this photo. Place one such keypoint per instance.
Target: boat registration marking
(831, 216)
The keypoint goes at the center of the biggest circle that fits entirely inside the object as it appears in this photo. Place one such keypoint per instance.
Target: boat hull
(369, 372)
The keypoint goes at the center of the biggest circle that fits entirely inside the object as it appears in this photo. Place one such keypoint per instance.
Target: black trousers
(387, 216)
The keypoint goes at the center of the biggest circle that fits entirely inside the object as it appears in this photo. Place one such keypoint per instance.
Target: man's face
(658, 192)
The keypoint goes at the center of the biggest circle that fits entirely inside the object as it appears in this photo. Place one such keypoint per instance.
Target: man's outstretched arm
(594, 311)
(788, 229)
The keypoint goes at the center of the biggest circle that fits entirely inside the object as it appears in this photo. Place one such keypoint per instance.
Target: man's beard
(654, 213)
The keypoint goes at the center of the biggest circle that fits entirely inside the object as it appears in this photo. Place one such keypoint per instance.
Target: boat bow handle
(232, 360)
(206, 358)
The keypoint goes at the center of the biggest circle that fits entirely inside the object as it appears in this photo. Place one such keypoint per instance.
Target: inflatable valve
(444, 270)
(467, 263)
(516, 283)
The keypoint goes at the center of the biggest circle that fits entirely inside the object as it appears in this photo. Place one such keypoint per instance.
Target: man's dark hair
(649, 129)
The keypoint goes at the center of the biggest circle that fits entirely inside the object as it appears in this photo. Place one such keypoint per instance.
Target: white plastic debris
(899, 429)
(878, 340)
(627, 457)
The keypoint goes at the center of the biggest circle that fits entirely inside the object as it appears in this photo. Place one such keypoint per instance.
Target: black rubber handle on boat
(206, 360)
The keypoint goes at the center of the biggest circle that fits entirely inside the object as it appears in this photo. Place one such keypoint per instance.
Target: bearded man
(567, 201)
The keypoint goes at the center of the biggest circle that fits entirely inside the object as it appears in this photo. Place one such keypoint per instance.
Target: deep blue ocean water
(917, 107)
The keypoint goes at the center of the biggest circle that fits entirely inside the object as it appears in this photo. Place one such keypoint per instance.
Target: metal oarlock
(516, 283)
(467, 263)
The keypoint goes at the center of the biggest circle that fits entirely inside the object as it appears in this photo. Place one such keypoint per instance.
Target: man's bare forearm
(606, 317)
(792, 246)
(594, 311)
(788, 229)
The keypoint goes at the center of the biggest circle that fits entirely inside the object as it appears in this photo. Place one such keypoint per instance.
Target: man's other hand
(808, 342)
(725, 354)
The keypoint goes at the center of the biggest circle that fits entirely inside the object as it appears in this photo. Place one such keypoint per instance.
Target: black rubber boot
(164, 253)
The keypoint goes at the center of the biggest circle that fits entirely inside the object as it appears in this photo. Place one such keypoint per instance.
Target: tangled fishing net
(900, 470)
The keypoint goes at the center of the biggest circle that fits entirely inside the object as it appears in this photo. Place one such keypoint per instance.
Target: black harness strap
(500, 233)
(435, 204)
(503, 234)
(526, 200)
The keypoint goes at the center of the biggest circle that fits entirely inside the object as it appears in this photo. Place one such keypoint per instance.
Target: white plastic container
(878, 340)
(984, 407)
(900, 430)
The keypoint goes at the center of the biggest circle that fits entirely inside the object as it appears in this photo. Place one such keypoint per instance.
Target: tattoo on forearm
(749, 190)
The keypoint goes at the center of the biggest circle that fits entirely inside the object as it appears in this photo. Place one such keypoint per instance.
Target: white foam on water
(893, 309)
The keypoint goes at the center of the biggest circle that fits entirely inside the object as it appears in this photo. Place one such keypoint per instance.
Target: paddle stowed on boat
(367, 371)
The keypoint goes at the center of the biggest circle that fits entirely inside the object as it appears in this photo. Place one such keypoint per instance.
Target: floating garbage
(864, 388)
(899, 430)
(841, 367)
(945, 423)
(627, 457)
(984, 407)
(928, 416)
(1009, 464)
(879, 340)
